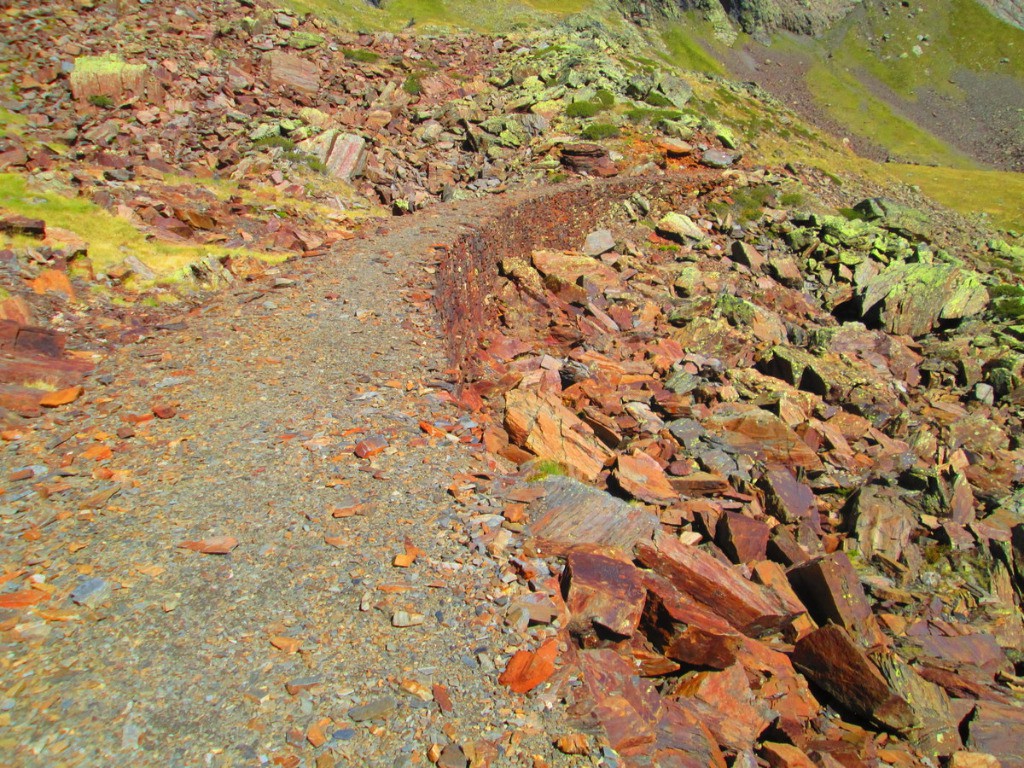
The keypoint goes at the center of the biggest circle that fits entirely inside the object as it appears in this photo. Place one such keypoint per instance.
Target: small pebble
(406, 619)
(374, 710)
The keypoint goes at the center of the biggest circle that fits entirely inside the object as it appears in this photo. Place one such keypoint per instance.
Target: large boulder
(913, 298)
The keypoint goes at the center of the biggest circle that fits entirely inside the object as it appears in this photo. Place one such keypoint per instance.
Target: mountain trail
(293, 646)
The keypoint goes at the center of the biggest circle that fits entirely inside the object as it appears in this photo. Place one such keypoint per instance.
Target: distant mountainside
(1008, 10)
(802, 17)
(793, 15)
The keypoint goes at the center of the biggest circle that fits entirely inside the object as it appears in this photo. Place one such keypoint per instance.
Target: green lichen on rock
(680, 227)
(905, 221)
(108, 75)
(912, 299)
(738, 311)
(314, 117)
(302, 41)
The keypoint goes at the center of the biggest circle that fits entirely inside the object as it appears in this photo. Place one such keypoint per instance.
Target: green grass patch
(102, 101)
(544, 468)
(278, 142)
(12, 123)
(110, 239)
(598, 131)
(748, 203)
(451, 14)
(961, 35)
(361, 55)
(605, 98)
(792, 199)
(641, 115)
(583, 109)
(849, 102)
(995, 193)
(687, 53)
(413, 84)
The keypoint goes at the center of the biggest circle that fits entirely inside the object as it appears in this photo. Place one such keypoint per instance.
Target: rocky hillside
(934, 84)
(767, 15)
(327, 351)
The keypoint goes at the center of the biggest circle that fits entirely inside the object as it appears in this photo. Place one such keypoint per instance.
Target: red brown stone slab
(936, 730)
(742, 538)
(763, 435)
(701, 484)
(779, 755)
(592, 159)
(790, 500)
(627, 707)
(39, 341)
(22, 225)
(960, 646)
(643, 478)
(602, 589)
(686, 630)
(724, 702)
(831, 659)
(998, 730)
(831, 590)
(883, 521)
(60, 373)
(784, 548)
(649, 662)
(292, 71)
(749, 607)
(683, 741)
(542, 425)
(957, 684)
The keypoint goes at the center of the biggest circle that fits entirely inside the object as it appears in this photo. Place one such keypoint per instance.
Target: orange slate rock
(543, 425)
(781, 755)
(61, 397)
(528, 669)
(164, 411)
(97, 452)
(750, 608)
(370, 447)
(603, 589)
(23, 598)
(643, 478)
(286, 644)
(218, 545)
(444, 701)
(53, 281)
(431, 430)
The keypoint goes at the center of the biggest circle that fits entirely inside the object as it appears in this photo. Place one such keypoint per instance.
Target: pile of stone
(786, 507)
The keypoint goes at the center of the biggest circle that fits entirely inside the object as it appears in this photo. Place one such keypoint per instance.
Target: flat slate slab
(571, 513)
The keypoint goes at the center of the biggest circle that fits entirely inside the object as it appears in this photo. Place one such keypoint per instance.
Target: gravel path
(283, 652)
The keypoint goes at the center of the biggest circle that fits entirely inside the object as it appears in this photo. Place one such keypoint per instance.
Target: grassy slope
(461, 14)
(110, 239)
(962, 35)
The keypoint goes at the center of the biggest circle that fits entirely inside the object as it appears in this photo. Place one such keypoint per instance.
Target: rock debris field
(628, 454)
(282, 529)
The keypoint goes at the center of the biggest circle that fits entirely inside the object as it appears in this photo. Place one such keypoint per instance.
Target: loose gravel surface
(284, 651)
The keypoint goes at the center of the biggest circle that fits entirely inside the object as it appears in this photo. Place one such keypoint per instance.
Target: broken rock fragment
(603, 591)
(748, 607)
(830, 588)
(686, 630)
(626, 707)
(832, 660)
(911, 299)
(545, 427)
(643, 478)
